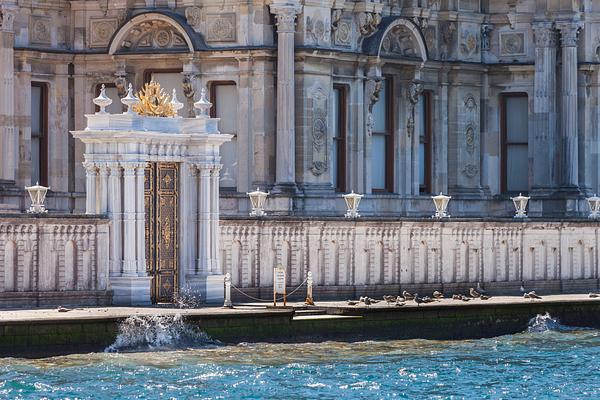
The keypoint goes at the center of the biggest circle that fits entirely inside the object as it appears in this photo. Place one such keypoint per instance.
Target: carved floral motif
(101, 30)
(154, 34)
(368, 23)
(221, 28)
(399, 41)
(39, 30)
(194, 17)
(319, 132)
(512, 43)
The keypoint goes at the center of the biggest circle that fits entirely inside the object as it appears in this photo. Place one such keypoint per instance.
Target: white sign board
(279, 280)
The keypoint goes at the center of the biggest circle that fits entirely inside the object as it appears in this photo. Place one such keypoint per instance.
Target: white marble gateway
(117, 149)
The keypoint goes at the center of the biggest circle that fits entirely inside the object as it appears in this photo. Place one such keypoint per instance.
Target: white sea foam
(157, 332)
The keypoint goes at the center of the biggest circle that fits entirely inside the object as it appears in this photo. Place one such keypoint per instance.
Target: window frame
(426, 187)
(148, 72)
(341, 137)
(504, 139)
(212, 95)
(388, 135)
(43, 153)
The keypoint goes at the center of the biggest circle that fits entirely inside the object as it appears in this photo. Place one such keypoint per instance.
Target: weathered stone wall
(373, 256)
(53, 260)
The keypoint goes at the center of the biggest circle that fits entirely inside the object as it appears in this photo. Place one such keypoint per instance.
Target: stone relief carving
(448, 36)
(189, 92)
(336, 17)
(486, 29)
(6, 19)
(512, 43)
(470, 138)
(373, 91)
(39, 30)
(415, 89)
(343, 33)
(368, 23)
(194, 17)
(430, 35)
(399, 41)
(319, 132)
(470, 103)
(155, 34)
(101, 30)
(469, 44)
(470, 170)
(316, 29)
(221, 27)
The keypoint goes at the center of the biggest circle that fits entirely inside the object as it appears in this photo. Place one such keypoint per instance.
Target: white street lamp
(37, 193)
(352, 200)
(441, 204)
(520, 203)
(257, 199)
(594, 203)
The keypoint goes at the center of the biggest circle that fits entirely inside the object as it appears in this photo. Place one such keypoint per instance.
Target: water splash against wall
(157, 332)
(545, 323)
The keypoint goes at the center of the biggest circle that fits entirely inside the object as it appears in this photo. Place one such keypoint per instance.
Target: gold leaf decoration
(154, 102)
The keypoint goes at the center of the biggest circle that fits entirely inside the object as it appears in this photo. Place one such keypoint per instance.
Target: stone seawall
(385, 256)
(52, 260)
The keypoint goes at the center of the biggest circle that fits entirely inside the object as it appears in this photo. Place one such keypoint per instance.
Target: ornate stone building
(479, 99)
(394, 99)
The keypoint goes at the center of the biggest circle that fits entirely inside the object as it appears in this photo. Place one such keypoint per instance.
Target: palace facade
(394, 99)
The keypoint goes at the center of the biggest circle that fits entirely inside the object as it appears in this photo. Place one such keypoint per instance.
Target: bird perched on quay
(438, 295)
(593, 295)
(408, 296)
(532, 295)
(474, 293)
(417, 299)
(460, 297)
(390, 299)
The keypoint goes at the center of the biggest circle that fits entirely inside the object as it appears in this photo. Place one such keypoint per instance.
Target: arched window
(338, 161)
(223, 96)
(425, 159)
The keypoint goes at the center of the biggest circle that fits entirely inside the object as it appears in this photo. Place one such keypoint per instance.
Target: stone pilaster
(140, 220)
(8, 135)
(129, 220)
(103, 188)
(204, 242)
(214, 218)
(285, 14)
(115, 215)
(544, 105)
(91, 174)
(569, 146)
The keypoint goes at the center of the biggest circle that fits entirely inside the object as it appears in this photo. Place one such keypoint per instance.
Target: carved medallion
(343, 33)
(39, 30)
(469, 44)
(194, 17)
(101, 30)
(512, 43)
(470, 170)
(221, 28)
(319, 132)
(470, 138)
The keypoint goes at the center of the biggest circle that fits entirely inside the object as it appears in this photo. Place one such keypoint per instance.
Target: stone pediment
(155, 32)
(397, 37)
(154, 35)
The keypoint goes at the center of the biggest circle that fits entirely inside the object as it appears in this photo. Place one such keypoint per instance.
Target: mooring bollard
(227, 302)
(309, 290)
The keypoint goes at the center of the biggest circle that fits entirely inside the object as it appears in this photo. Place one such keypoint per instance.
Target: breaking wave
(544, 323)
(157, 332)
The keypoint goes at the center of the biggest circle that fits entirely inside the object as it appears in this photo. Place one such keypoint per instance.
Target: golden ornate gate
(162, 226)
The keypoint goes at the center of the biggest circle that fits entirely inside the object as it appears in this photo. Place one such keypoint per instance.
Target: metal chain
(268, 301)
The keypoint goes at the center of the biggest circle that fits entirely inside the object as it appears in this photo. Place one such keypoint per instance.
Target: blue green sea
(546, 361)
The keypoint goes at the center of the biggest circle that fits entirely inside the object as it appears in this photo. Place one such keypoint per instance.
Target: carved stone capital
(545, 36)
(90, 168)
(286, 17)
(7, 17)
(568, 33)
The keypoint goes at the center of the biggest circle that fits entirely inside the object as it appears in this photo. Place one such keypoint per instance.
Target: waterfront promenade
(47, 332)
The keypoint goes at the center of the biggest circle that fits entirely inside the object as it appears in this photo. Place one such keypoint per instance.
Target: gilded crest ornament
(154, 102)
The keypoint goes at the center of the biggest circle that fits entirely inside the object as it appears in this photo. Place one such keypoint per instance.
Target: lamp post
(257, 199)
(594, 203)
(37, 193)
(352, 200)
(520, 203)
(441, 204)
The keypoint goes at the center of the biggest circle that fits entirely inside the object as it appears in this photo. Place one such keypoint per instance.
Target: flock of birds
(478, 293)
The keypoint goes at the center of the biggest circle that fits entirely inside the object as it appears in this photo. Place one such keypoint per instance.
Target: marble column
(8, 136)
(204, 242)
(91, 174)
(214, 218)
(140, 220)
(102, 188)
(285, 13)
(129, 219)
(544, 104)
(569, 156)
(115, 215)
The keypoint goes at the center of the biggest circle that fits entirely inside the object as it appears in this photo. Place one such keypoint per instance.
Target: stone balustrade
(349, 258)
(52, 260)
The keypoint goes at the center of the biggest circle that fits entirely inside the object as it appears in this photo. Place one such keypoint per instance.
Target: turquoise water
(548, 361)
